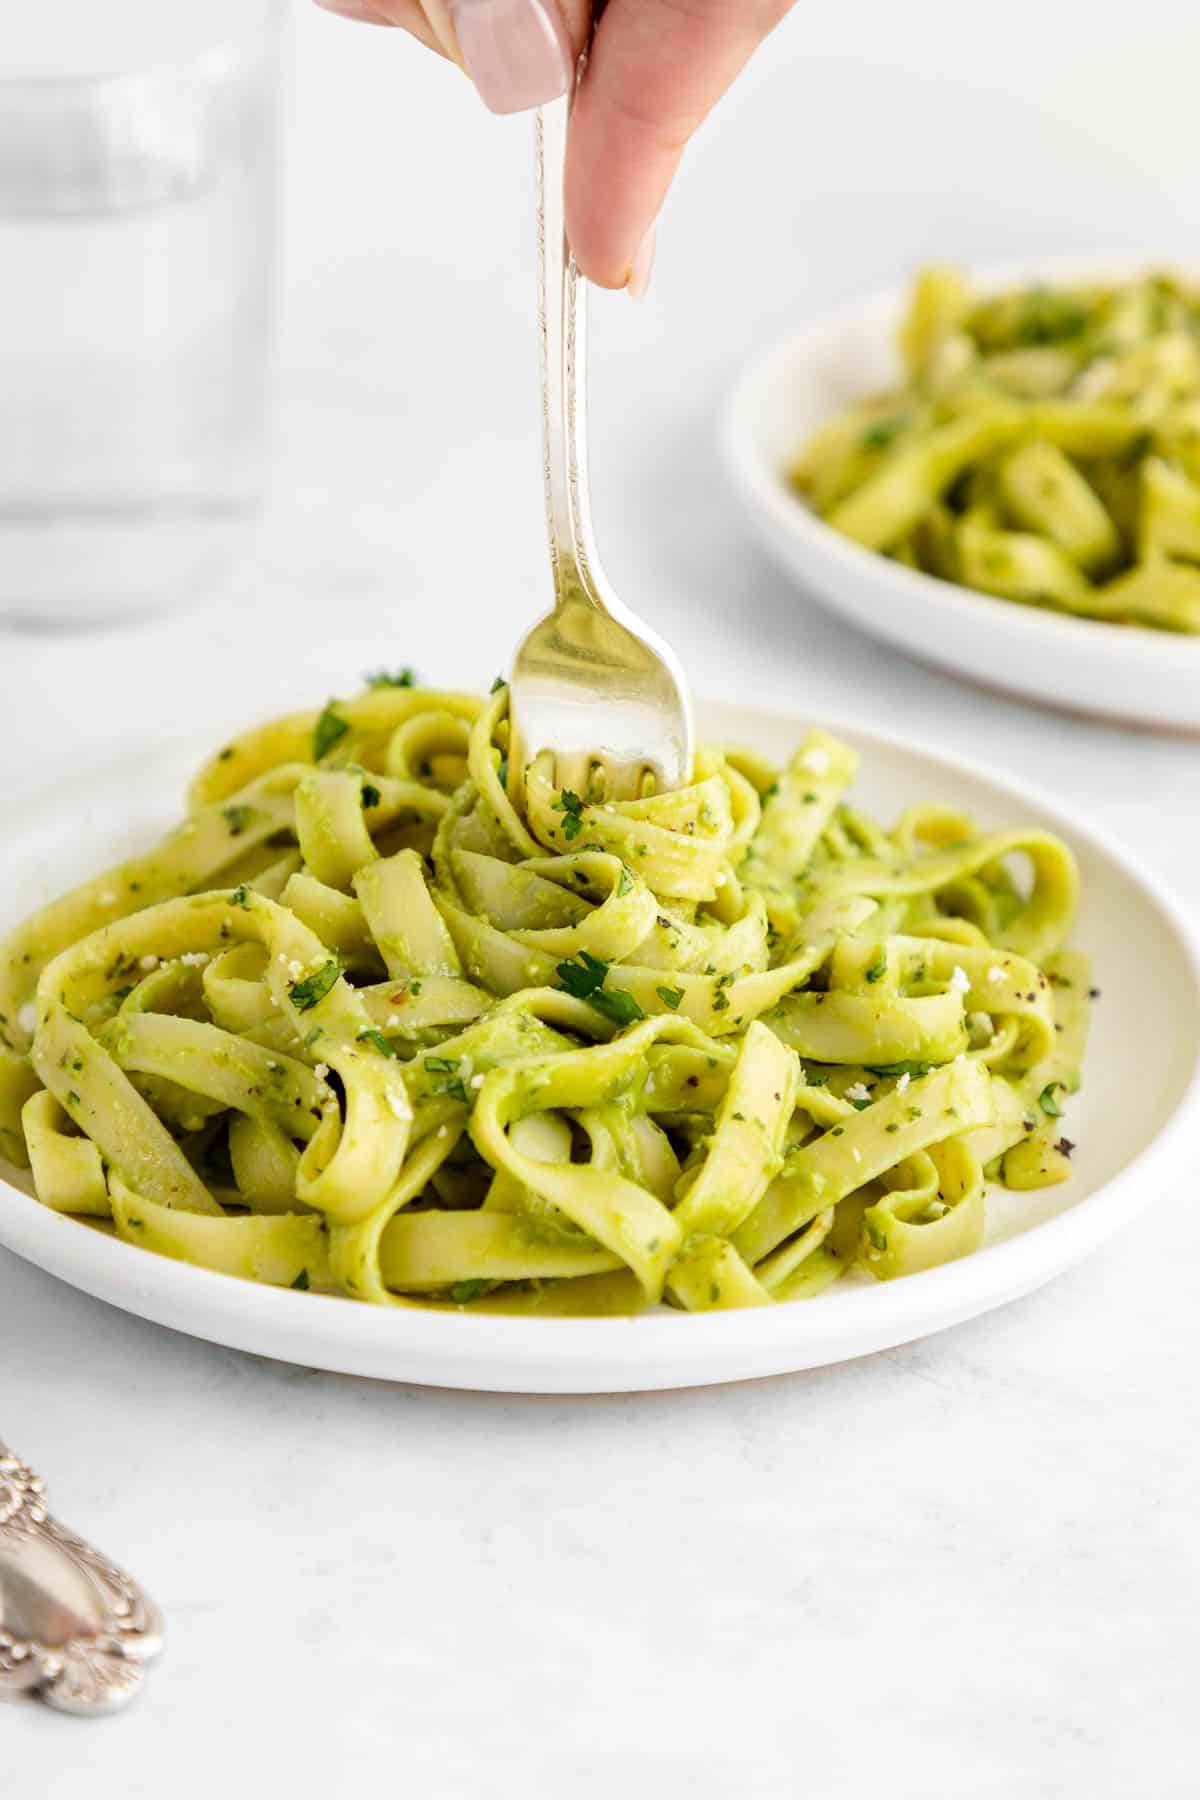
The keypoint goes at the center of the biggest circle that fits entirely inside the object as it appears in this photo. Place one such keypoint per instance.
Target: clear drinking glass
(136, 227)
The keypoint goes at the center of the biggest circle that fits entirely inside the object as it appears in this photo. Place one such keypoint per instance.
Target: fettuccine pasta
(381, 1018)
(1044, 448)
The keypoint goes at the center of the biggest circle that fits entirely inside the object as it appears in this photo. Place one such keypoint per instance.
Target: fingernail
(643, 266)
(516, 51)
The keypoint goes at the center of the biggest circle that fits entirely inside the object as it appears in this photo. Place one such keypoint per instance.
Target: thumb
(656, 69)
(519, 53)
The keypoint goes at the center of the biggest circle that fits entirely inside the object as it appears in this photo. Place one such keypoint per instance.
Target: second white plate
(1140, 1101)
(1142, 677)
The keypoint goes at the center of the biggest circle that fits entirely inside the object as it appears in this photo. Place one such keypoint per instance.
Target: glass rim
(227, 52)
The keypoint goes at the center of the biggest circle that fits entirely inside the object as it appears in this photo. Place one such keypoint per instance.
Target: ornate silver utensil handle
(74, 1630)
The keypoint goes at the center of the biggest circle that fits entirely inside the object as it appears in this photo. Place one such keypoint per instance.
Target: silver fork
(591, 684)
(75, 1630)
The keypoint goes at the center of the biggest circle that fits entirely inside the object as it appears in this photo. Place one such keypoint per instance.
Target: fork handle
(75, 1630)
(562, 336)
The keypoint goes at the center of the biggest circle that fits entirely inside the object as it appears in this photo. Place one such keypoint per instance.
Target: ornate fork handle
(74, 1629)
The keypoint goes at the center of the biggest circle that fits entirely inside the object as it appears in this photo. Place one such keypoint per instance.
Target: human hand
(655, 70)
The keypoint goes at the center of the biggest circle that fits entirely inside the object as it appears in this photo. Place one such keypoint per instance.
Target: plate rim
(594, 1355)
(762, 490)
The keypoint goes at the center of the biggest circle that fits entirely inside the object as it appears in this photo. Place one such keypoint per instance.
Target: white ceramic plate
(1141, 1093)
(1143, 677)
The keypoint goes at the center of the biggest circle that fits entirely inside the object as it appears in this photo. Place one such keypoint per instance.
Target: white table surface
(964, 1568)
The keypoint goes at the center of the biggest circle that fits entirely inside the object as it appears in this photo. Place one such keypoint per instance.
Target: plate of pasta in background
(1000, 475)
(378, 1054)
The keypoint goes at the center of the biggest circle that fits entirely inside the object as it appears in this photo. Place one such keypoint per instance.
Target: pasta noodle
(380, 1018)
(1044, 448)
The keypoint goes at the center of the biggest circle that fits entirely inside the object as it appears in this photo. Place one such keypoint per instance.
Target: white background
(968, 1568)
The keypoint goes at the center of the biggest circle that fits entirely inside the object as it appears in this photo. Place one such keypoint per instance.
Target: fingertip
(611, 202)
(611, 216)
(638, 282)
(609, 274)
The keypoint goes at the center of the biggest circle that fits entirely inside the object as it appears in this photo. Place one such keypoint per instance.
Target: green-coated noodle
(1044, 447)
(379, 1018)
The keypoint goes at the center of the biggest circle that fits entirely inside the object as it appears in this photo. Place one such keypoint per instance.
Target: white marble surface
(965, 1568)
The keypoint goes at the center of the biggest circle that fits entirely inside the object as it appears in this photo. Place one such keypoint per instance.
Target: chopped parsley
(497, 685)
(302, 1282)
(462, 1291)
(371, 795)
(371, 1036)
(1047, 317)
(584, 977)
(571, 807)
(915, 1069)
(382, 679)
(449, 1083)
(883, 432)
(624, 882)
(329, 730)
(1048, 1100)
(876, 1238)
(720, 1001)
(241, 897)
(670, 997)
(876, 969)
(305, 994)
(237, 818)
(859, 1105)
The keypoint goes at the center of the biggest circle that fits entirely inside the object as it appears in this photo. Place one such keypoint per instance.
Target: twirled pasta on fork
(362, 1022)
